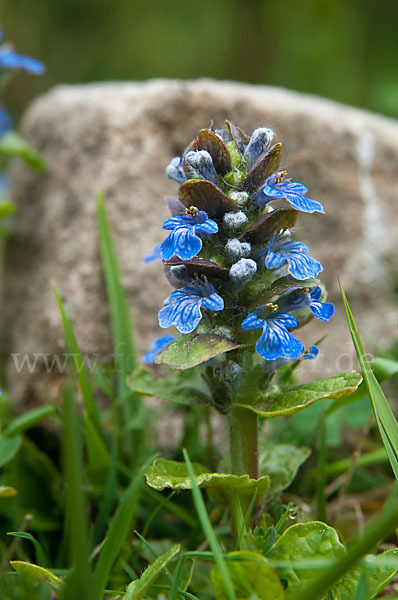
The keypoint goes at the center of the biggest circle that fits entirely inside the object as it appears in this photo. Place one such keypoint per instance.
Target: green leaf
(9, 446)
(138, 589)
(6, 209)
(30, 419)
(296, 399)
(36, 573)
(384, 368)
(385, 419)
(251, 576)
(11, 144)
(193, 349)
(181, 388)
(281, 462)
(172, 474)
(304, 543)
(7, 491)
(379, 570)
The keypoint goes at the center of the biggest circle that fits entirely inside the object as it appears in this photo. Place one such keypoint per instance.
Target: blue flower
(301, 266)
(156, 255)
(275, 341)
(183, 241)
(183, 309)
(158, 345)
(292, 191)
(10, 60)
(175, 171)
(308, 299)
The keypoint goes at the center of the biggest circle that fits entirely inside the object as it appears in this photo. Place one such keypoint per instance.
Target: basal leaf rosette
(252, 577)
(165, 473)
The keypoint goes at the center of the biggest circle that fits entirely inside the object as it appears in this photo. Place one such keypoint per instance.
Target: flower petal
(156, 255)
(175, 171)
(181, 242)
(277, 342)
(252, 322)
(302, 266)
(214, 302)
(302, 203)
(274, 260)
(322, 310)
(157, 345)
(208, 226)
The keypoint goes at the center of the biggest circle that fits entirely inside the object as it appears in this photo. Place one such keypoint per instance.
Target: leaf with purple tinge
(200, 266)
(206, 196)
(265, 166)
(207, 140)
(270, 223)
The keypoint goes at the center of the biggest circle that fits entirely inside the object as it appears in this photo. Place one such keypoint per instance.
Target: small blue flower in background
(156, 255)
(6, 122)
(308, 299)
(183, 241)
(175, 171)
(292, 191)
(10, 60)
(159, 344)
(301, 266)
(183, 309)
(275, 341)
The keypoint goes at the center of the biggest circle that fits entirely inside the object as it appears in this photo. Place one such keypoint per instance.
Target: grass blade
(208, 530)
(384, 416)
(79, 583)
(119, 528)
(71, 342)
(122, 330)
(98, 454)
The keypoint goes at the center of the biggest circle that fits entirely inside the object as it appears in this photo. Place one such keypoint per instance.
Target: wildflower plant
(243, 288)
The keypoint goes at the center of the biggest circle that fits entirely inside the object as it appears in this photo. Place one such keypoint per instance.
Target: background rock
(119, 137)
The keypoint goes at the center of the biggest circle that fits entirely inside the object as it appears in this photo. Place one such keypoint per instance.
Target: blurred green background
(341, 49)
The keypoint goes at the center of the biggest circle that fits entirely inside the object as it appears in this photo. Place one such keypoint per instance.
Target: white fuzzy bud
(235, 220)
(259, 143)
(243, 271)
(241, 198)
(236, 249)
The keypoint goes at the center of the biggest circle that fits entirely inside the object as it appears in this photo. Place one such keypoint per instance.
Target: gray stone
(119, 137)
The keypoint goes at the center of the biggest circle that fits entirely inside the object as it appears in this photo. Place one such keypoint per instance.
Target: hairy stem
(243, 442)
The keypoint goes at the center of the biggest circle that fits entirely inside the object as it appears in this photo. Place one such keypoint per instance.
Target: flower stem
(243, 442)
